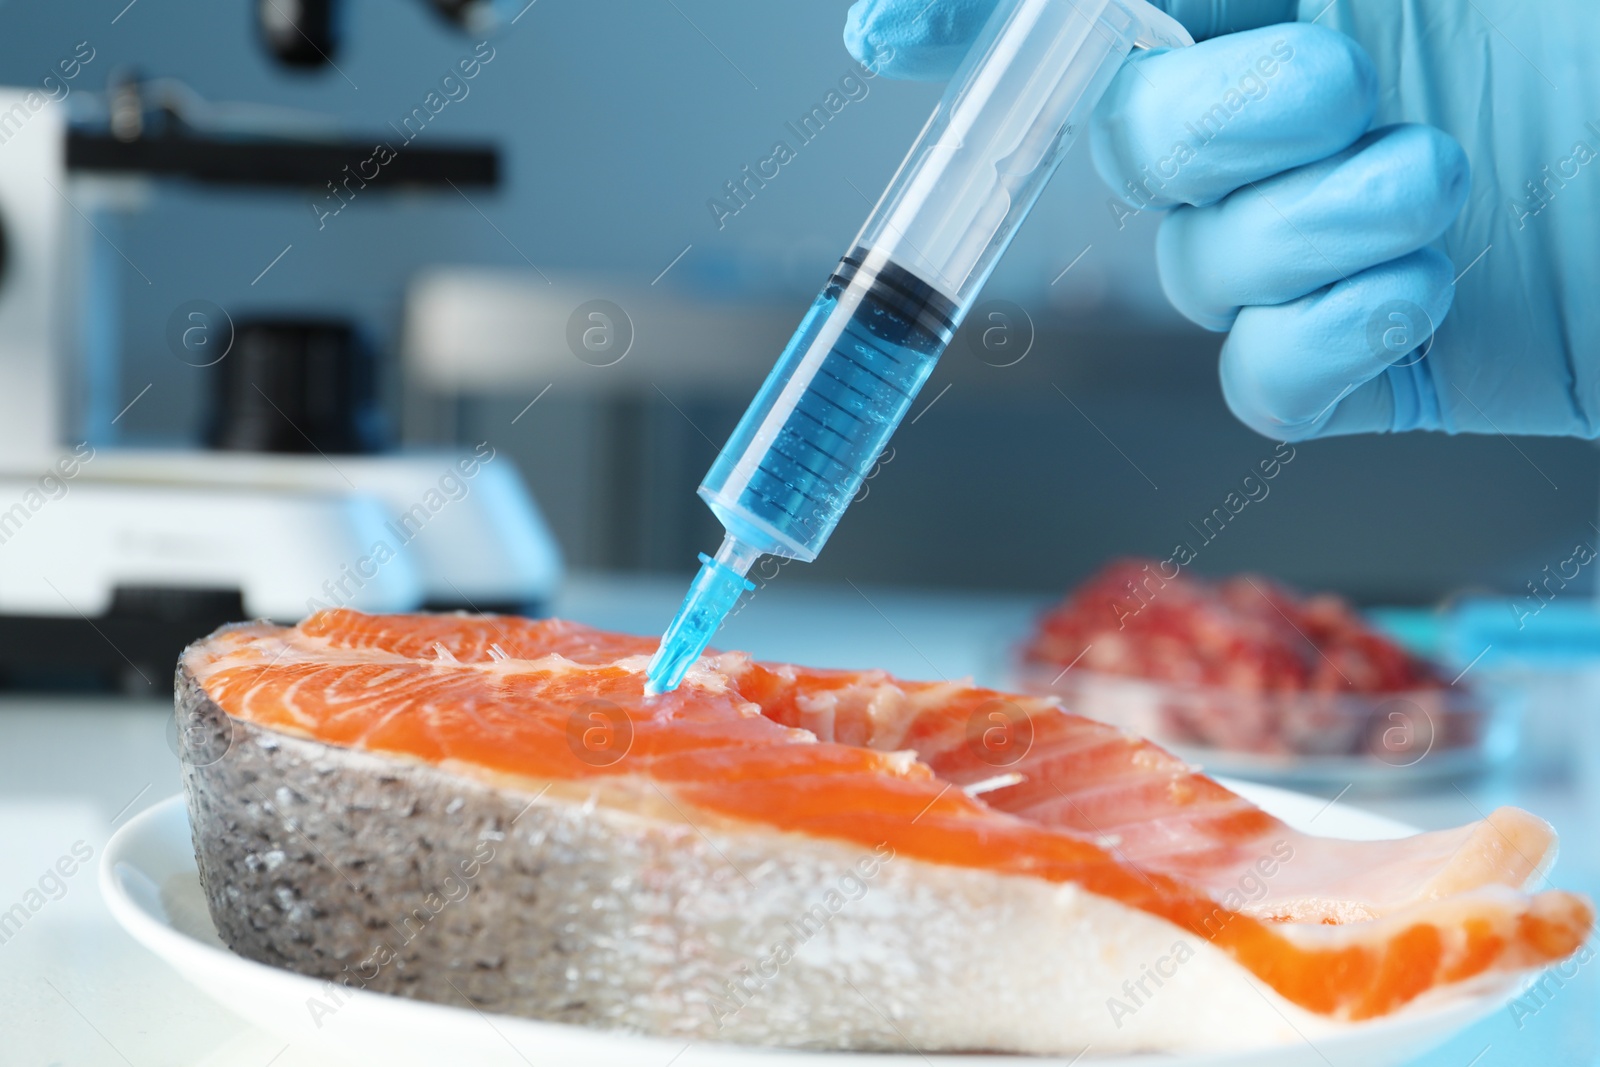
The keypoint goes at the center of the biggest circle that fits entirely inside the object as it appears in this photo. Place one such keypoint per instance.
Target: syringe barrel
(1016, 104)
(851, 371)
(810, 437)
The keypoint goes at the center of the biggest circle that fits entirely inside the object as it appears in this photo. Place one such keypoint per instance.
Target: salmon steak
(489, 811)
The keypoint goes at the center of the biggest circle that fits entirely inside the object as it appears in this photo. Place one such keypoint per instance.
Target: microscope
(112, 558)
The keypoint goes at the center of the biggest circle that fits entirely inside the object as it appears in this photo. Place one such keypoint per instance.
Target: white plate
(148, 879)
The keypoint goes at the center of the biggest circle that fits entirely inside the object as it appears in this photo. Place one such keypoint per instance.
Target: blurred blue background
(617, 124)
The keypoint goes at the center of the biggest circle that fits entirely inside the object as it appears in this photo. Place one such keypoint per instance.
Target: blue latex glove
(1324, 215)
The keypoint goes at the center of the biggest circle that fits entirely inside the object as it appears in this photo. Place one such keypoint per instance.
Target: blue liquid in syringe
(847, 378)
(802, 450)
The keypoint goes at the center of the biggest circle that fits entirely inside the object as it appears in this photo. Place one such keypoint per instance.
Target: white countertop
(78, 992)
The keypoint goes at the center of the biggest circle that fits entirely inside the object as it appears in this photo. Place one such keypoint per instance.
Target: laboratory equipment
(307, 34)
(116, 557)
(849, 374)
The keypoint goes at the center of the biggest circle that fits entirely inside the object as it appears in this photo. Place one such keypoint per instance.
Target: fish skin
(713, 756)
(670, 929)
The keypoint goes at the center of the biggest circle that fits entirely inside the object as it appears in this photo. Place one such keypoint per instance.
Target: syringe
(849, 374)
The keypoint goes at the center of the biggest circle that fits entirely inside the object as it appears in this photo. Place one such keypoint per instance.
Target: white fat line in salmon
(989, 785)
(357, 976)
(749, 982)
(453, 485)
(51, 485)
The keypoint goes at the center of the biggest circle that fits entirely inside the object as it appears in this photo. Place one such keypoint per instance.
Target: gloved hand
(1318, 187)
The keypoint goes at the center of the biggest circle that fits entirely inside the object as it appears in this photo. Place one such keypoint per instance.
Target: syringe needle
(711, 596)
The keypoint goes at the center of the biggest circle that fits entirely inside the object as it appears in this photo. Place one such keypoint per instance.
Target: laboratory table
(76, 991)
